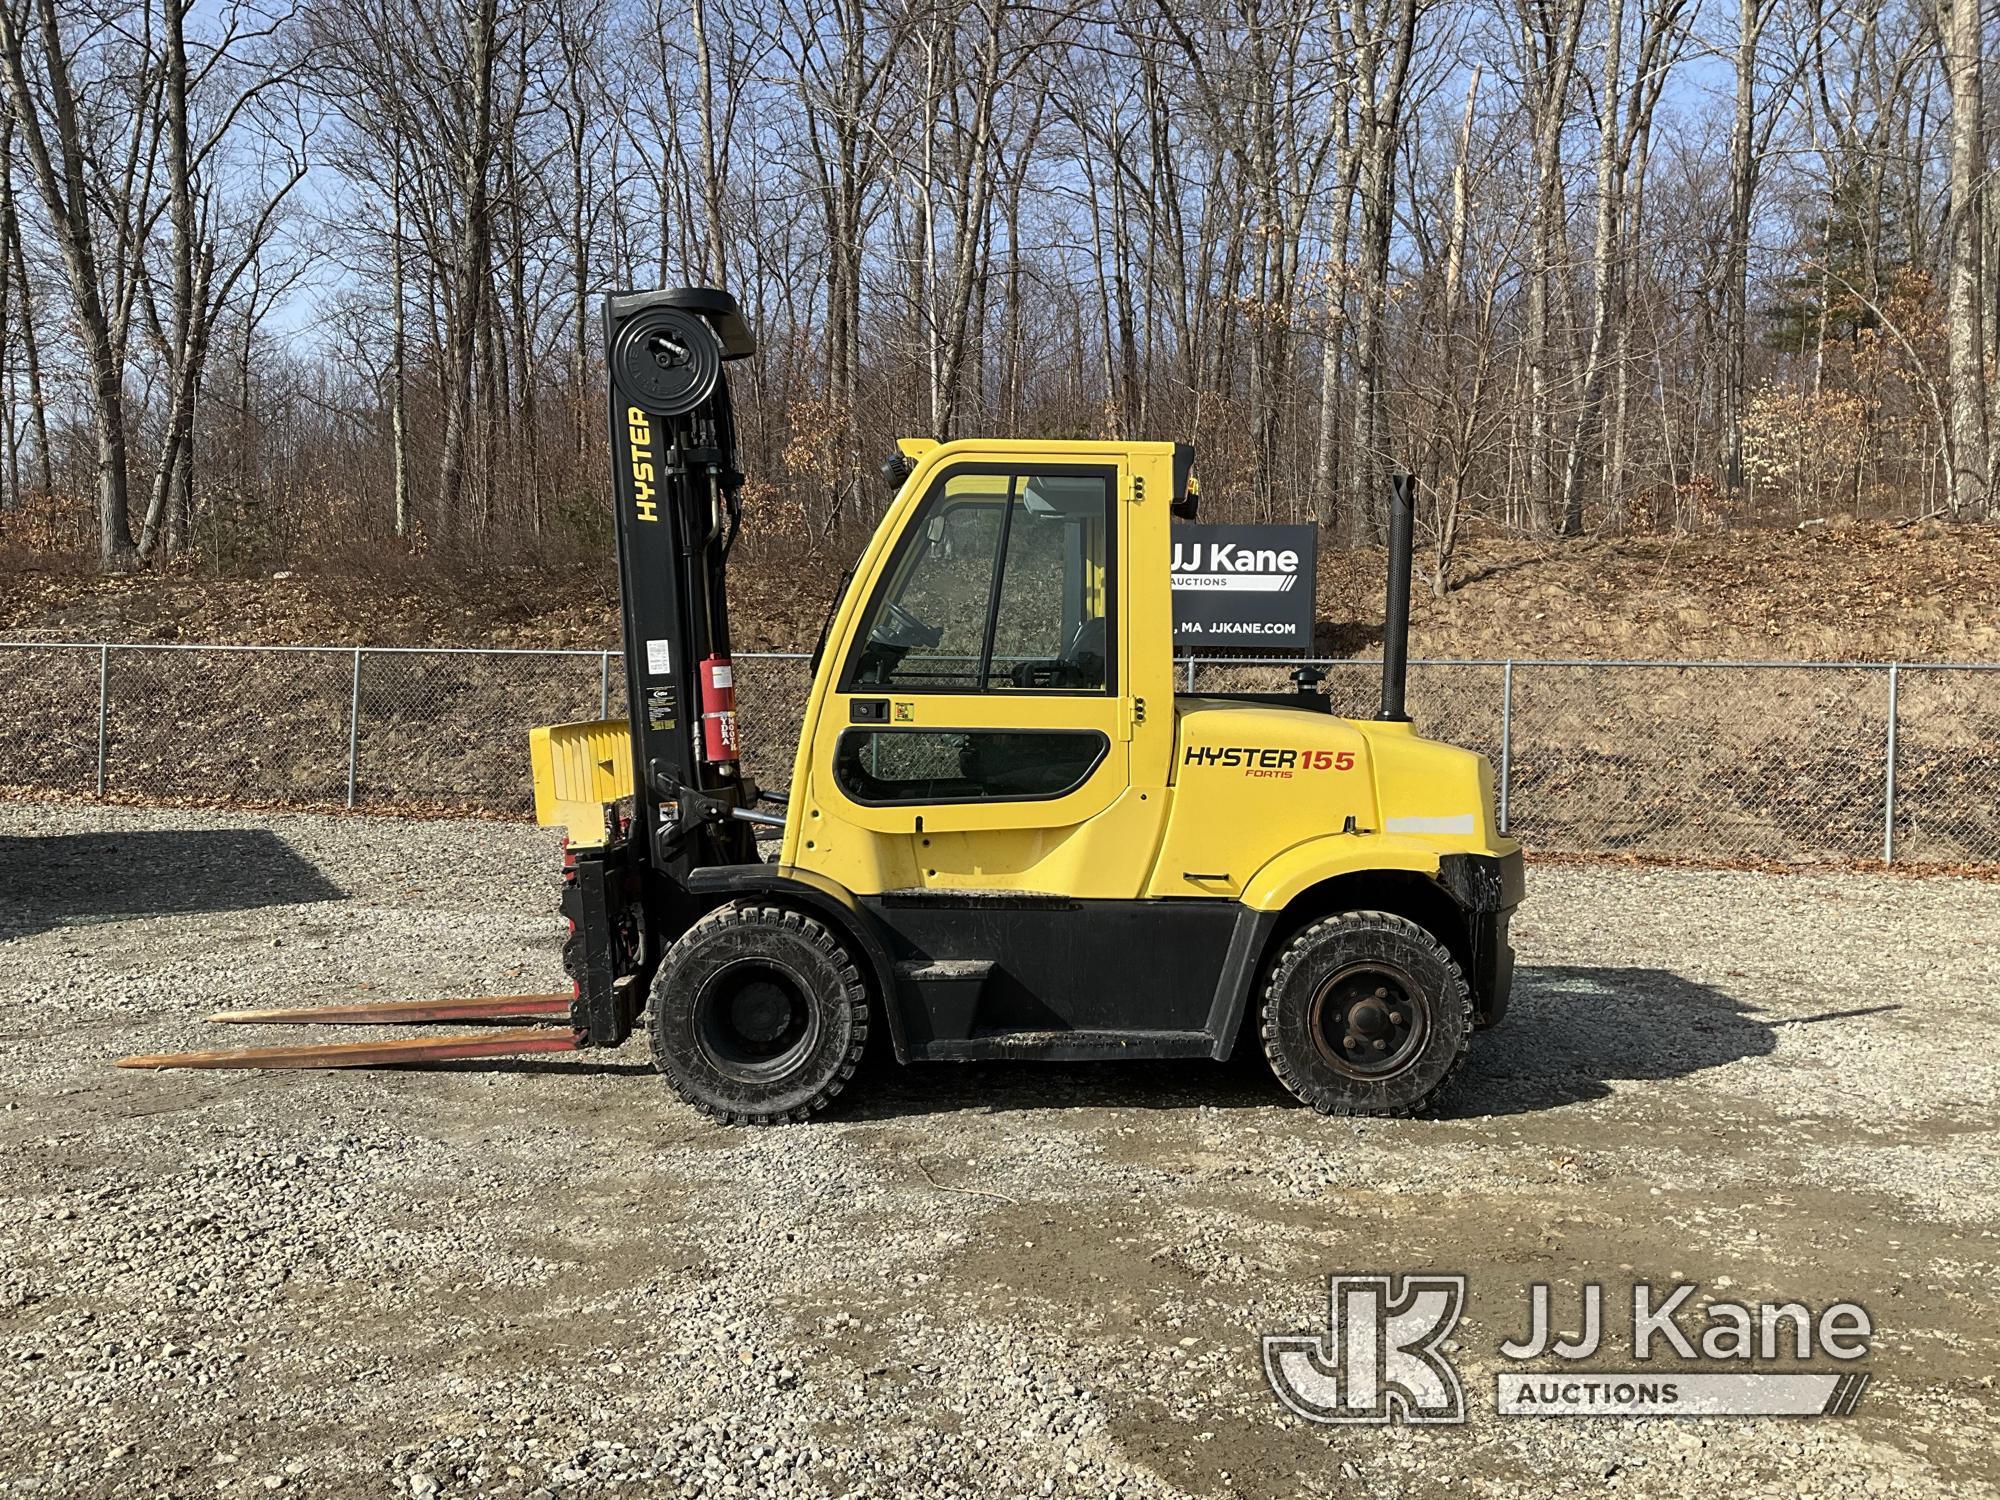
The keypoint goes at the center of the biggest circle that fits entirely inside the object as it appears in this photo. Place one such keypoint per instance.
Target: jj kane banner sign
(1242, 588)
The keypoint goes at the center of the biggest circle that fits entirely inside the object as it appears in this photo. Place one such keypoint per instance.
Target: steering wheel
(1081, 664)
(902, 629)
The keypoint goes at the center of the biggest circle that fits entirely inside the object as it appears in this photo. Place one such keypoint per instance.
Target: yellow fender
(1287, 875)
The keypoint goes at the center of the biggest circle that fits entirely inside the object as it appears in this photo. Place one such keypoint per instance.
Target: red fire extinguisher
(718, 710)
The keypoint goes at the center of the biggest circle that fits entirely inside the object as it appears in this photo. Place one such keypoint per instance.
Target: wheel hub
(759, 1011)
(754, 1020)
(1366, 1020)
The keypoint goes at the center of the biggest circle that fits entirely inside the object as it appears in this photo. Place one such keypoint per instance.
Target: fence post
(1889, 773)
(1506, 739)
(1190, 674)
(604, 687)
(103, 710)
(354, 727)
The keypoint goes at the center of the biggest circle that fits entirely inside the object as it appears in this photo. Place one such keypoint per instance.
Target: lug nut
(1395, 1018)
(1381, 1046)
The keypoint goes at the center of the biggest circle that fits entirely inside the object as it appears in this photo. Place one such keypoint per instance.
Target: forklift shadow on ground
(61, 880)
(1573, 1034)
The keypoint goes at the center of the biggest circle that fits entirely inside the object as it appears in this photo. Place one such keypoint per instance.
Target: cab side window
(1002, 583)
(882, 767)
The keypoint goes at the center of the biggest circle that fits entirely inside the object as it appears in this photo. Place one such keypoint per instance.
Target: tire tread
(1299, 949)
(854, 993)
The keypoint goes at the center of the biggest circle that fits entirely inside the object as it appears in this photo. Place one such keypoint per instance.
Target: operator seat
(1082, 662)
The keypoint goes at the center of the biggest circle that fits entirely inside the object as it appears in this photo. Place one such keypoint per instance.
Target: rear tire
(1366, 1013)
(758, 1015)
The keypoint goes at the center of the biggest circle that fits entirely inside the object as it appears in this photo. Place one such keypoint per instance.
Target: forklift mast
(676, 491)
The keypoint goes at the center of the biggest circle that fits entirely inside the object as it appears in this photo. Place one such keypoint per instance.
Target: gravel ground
(549, 1277)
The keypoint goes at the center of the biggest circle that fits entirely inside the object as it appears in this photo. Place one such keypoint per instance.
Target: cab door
(978, 736)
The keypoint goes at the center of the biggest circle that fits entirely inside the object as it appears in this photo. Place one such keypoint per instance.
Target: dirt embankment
(1859, 593)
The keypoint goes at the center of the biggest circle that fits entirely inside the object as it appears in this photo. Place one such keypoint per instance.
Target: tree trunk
(1131, 382)
(1604, 263)
(469, 258)
(31, 344)
(12, 495)
(173, 472)
(1010, 317)
(717, 266)
(1736, 280)
(579, 247)
(1385, 84)
(399, 384)
(1552, 44)
(1327, 509)
(527, 423)
(1964, 54)
(65, 194)
(1368, 459)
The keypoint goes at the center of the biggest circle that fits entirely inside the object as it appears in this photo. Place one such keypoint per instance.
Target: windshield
(826, 625)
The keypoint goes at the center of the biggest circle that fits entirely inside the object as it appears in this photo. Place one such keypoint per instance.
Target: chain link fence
(1796, 762)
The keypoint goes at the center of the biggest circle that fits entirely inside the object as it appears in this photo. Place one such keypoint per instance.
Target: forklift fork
(511, 1042)
(606, 935)
(500, 1042)
(401, 1012)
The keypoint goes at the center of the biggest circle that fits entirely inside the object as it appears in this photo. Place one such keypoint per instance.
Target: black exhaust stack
(1396, 617)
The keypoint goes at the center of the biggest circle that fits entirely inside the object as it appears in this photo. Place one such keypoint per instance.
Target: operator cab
(1000, 583)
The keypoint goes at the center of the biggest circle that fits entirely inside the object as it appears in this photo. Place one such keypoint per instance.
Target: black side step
(944, 970)
(1066, 1046)
(945, 989)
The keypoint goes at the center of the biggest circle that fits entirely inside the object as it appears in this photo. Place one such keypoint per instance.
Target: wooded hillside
(281, 280)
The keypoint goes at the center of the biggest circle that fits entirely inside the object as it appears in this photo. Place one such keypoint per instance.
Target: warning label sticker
(662, 708)
(659, 659)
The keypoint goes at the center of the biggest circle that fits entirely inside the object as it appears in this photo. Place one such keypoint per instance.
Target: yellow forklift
(1006, 834)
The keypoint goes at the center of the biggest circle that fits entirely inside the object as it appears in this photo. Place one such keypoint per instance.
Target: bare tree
(1964, 36)
(1384, 42)
(473, 149)
(1493, 243)
(1549, 32)
(90, 188)
(226, 117)
(1625, 113)
(838, 54)
(14, 283)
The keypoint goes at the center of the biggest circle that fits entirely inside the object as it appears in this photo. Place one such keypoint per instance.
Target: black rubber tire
(1365, 954)
(781, 953)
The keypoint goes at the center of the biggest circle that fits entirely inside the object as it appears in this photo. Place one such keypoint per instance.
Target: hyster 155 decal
(1258, 760)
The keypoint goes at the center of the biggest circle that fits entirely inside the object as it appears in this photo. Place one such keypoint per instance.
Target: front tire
(1366, 1013)
(758, 1015)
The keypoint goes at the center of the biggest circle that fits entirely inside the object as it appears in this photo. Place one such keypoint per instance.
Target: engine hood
(1252, 779)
